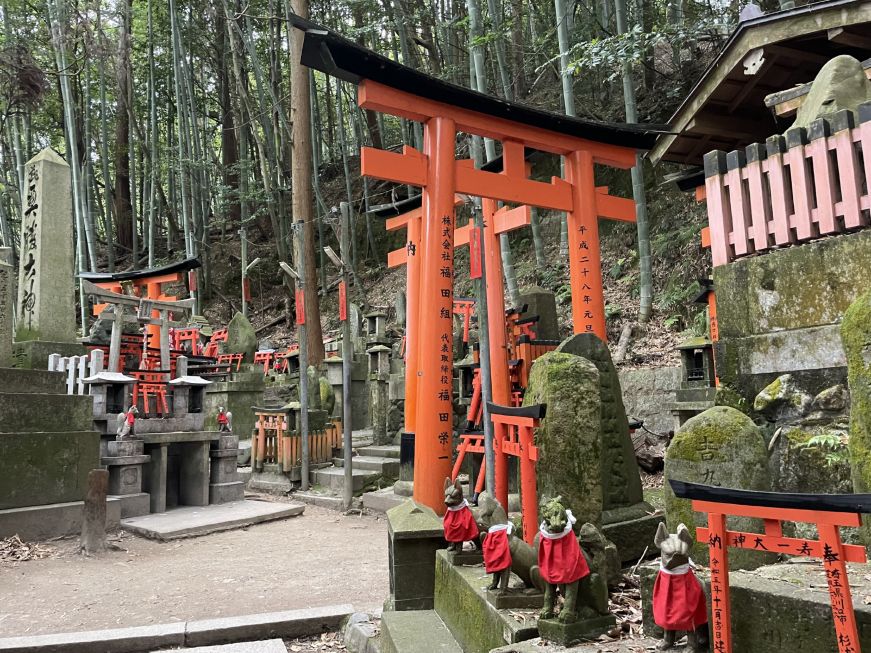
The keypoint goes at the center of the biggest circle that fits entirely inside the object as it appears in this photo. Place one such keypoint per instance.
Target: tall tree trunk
(638, 191)
(300, 110)
(517, 49)
(371, 116)
(123, 208)
(104, 150)
(562, 28)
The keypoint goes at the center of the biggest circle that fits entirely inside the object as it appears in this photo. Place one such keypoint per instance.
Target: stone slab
(133, 505)
(190, 521)
(34, 523)
(263, 646)
(120, 640)
(226, 492)
(46, 468)
(634, 537)
(461, 602)
(270, 482)
(381, 451)
(34, 381)
(26, 413)
(178, 436)
(416, 631)
(334, 478)
(381, 464)
(515, 599)
(292, 623)
(330, 501)
(465, 558)
(583, 630)
(33, 354)
(382, 500)
(7, 301)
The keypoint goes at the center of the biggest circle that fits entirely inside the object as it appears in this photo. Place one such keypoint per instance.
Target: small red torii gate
(440, 176)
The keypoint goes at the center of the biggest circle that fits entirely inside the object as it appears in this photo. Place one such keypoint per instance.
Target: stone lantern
(698, 385)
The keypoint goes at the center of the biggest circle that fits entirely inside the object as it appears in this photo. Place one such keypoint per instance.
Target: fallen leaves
(12, 549)
(324, 642)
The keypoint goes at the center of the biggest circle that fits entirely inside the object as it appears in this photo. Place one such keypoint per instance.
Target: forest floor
(319, 558)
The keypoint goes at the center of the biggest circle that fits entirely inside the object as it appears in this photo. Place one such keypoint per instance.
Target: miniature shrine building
(787, 204)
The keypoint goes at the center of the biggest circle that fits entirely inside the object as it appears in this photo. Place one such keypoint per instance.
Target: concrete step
(414, 631)
(334, 478)
(381, 464)
(382, 500)
(382, 451)
(32, 381)
(36, 413)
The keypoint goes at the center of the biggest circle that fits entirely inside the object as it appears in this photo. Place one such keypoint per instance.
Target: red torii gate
(440, 175)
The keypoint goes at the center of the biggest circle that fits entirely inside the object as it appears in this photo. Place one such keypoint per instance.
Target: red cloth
(460, 525)
(222, 418)
(561, 560)
(679, 602)
(130, 418)
(497, 555)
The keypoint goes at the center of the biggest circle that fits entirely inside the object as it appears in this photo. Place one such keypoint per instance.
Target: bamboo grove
(185, 120)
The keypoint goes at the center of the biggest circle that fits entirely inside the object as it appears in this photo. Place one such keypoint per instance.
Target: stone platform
(190, 521)
(781, 608)
(35, 523)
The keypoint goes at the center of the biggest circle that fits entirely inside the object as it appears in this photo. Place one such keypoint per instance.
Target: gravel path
(320, 558)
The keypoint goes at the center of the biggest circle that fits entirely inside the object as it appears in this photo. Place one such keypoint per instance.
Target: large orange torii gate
(445, 110)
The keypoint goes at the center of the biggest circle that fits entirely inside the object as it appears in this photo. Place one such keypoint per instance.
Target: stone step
(381, 464)
(381, 451)
(323, 500)
(36, 413)
(414, 631)
(32, 381)
(334, 478)
(382, 500)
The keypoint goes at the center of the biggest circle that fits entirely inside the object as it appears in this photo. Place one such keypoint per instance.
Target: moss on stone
(728, 396)
(856, 337)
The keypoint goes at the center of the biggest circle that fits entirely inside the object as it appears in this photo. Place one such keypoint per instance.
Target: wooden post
(835, 566)
(721, 620)
(585, 262)
(500, 381)
(94, 513)
(434, 418)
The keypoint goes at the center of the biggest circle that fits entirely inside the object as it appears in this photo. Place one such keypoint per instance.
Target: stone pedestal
(468, 558)
(574, 633)
(155, 476)
(193, 489)
(237, 395)
(126, 461)
(542, 303)
(415, 533)
(224, 482)
(515, 599)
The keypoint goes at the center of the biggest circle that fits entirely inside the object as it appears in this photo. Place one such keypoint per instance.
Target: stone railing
(804, 185)
(77, 369)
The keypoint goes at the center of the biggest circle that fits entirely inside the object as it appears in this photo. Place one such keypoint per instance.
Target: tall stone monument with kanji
(46, 318)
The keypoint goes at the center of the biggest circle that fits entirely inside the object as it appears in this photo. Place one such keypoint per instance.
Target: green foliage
(831, 446)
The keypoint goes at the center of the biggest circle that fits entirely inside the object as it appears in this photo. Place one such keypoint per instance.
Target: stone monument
(46, 289)
(722, 447)
(7, 283)
(627, 520)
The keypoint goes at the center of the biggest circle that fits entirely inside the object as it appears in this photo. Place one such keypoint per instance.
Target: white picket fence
(77, 369)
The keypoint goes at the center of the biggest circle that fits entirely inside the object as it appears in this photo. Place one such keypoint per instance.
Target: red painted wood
(824, 181)
(760, 206)
(779, 189)
(719, 220)
(850, 179)
(740, 209)
(785, 545)
(801, 194)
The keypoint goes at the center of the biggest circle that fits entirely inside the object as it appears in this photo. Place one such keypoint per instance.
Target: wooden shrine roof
(179, 266)
(331, 53)
(726, 110)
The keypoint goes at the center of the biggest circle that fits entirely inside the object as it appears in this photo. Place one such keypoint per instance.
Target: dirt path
(320, 558)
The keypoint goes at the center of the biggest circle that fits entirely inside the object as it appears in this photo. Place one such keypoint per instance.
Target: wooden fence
(77, 369)
(804, 185)
(274, 443)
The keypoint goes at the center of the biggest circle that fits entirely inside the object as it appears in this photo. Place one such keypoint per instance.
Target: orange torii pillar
(437, 171)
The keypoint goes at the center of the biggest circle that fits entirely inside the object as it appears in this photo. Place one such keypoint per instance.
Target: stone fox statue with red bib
(459, 522)
(678, 599)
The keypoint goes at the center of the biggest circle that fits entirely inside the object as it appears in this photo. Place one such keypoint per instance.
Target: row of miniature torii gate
(432, 237)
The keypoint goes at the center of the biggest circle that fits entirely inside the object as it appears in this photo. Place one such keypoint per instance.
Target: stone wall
(779, 313)
(647, 394)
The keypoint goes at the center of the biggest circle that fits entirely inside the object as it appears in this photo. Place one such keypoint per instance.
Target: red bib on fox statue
(678, 600)
(460, 523)
(497, 554)
(560, 559)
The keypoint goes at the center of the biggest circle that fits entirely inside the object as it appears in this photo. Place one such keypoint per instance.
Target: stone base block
(414, 632)
(404, 488)
(34, 523)
(224, 468)
(126, 479)
(226, 492)
(270, 482)
(117, 448)
(461, 602)
(515, 599)
(33, 354)
(133, 505)
(632, 530)
(228, 441)
(577, 632)
(414, 535)
(469, 558)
